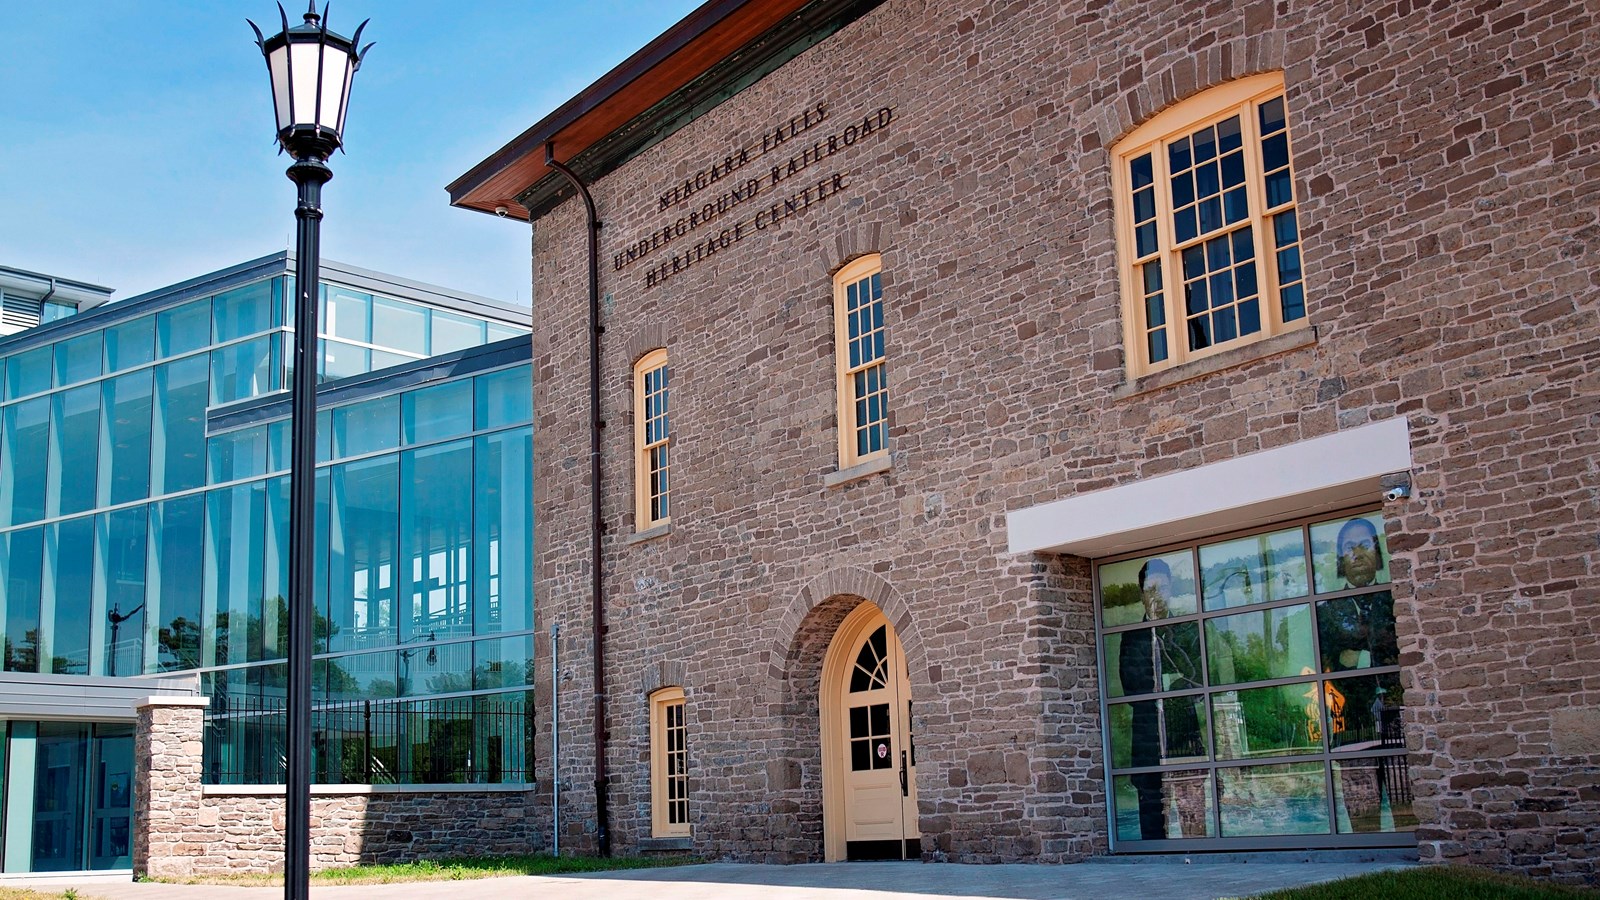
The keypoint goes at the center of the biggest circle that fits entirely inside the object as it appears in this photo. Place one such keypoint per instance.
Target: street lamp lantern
(311, 69)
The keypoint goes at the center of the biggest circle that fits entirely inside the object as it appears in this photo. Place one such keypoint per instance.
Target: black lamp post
(311, 69)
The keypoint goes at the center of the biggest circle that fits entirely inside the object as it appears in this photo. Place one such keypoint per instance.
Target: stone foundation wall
(182, 828)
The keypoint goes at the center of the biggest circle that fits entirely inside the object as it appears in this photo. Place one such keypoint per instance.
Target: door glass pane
(1255, 646)
(1256, 569)
(1154, 806)
(1350, 553)
(111, 787)
(62, 757)
(1273, 800)
(1146, 589)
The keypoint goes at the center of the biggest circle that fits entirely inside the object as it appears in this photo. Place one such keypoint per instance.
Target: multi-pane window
(863, 390)
(652, 439)
(669, 764)
(1252, 689)
(1209, 238)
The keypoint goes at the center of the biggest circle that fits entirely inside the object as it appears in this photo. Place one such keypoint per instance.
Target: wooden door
(878, 756)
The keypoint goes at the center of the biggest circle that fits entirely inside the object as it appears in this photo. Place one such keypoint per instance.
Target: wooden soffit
(713, 53)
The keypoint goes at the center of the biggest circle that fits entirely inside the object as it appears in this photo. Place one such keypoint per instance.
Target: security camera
(501, 211)
(1397, 493)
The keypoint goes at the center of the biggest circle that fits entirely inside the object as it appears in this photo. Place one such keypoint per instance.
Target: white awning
(1324, 473)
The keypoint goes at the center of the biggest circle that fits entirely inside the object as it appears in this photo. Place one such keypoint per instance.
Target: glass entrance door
(111, 793)
(58, 797)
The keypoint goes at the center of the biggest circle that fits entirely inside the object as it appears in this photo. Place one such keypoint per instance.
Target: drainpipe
(601, 779)
(555, 739)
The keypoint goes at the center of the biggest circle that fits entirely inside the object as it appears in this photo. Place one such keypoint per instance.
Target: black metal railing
(457, 740)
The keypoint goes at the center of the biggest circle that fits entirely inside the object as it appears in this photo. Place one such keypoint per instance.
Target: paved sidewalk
(852, 881)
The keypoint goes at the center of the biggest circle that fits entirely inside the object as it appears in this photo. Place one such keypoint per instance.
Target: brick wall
(1449, 184)
(183, 829)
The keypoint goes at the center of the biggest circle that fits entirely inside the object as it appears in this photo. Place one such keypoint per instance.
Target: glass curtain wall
(1252, 692)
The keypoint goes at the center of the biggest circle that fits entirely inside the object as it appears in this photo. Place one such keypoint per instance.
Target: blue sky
(136, 145)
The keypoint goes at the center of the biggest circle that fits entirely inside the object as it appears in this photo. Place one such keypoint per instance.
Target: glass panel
(502, 543)
(1146, 589)
(74, 450)
(241, 371)
(1257, 569)
(21, 573)
(346, 314)
(1270, 643)
(437, 412)
(1133, 665)
(498, 332)
(184, 329)
(1350, 553)
(436, 533)
(1364, 713)
(177, 530)
(1373, 795)
(234, 573)
(1272, 721)
(122, 536)
(243, 311)
(1158, 732)
(24, 452)
(129, 403)
(239, 454)
(55, 310)
(364, 676)
(1273, 800)
(78, 359)
(275, 569)
(341, 360)
(1357, 632)
(399, 325)
(111, 798)
(362, 553)
(452, 332)
(383, 359)
(61, 765)
(427, 667)
(28, 373)
(505, 398)
(503, 662)
(1154, 806)
(368, 427)
(178, 444)
(69, 591)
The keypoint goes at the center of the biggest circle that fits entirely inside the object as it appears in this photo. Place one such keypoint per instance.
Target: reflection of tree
(23, 655)
(180, 643)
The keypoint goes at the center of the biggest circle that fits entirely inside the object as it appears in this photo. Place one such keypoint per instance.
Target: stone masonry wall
(1449, 192)
(182, 829)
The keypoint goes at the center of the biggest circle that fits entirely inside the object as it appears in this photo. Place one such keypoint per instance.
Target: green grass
(8, 893)
(1433, 883)
(450, 870)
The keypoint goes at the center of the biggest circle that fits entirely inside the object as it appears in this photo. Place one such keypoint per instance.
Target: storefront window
(1252, 690)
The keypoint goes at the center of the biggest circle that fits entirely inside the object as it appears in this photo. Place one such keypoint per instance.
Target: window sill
(860, 470)
(666, 843)
(1200, 368)
(339, 790)
(649, 534)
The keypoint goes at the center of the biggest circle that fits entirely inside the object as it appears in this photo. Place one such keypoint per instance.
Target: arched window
(1208, 237)
(669, 764)
(651, 441)
(858, 335)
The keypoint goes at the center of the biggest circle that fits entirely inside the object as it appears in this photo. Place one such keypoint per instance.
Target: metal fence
(458, 740)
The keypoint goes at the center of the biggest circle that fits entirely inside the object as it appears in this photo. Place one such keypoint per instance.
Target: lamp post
(311, 69)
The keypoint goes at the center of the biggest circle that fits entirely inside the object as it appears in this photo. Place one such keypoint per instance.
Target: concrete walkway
(852, 881)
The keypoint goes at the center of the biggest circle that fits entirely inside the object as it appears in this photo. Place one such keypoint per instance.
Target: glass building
(144, 522)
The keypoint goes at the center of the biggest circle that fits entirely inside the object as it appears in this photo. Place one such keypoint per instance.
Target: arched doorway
(869, 775)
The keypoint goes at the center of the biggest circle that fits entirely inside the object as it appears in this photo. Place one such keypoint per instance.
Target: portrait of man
(1360, 553)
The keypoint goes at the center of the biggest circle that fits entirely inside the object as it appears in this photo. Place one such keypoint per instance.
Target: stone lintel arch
(851, 585)
(647, 337)
(1229, 59)
(852, 242)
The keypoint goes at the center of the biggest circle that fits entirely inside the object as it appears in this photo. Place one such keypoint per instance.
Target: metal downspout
(596, 527)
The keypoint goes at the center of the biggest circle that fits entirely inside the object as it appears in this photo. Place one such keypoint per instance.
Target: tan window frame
(861, 362)
(652, 440)
(1154, 283)
(669, 764)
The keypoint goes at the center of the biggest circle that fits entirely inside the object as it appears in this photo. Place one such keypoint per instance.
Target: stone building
(1091, 428)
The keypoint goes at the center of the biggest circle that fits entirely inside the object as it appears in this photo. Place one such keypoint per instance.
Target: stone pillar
(167, 753)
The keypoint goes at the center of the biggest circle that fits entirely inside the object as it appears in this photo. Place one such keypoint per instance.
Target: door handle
(905, 788)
